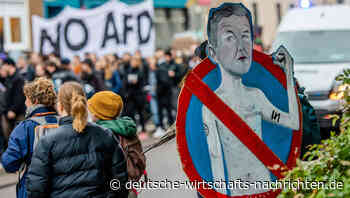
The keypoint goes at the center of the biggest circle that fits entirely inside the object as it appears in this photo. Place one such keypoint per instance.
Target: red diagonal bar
(235, 124)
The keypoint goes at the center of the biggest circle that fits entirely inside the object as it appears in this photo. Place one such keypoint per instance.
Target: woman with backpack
(105, 108)
(78, 159)
(40, 103)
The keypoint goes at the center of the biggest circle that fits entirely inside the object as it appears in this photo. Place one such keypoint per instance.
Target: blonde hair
(72, 97)
(41, 91)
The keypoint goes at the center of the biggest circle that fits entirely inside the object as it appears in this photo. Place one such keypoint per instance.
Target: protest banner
(114, 27)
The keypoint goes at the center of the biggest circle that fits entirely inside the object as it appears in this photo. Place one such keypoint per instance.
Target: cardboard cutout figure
(230, 46)
(238, 101)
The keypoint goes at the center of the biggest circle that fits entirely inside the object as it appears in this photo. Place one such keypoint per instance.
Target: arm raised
(271, 113)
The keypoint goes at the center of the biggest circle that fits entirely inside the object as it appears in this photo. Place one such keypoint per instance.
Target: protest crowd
(148, 86)
(123, 94)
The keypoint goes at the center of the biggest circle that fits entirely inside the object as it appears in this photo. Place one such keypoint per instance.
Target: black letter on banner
(80, 45)
(275, 116)
(144, 14)
(114, 35)
(126, 27)
(44, 36)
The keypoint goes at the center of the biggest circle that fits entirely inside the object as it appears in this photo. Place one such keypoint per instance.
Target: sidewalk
(7, 180)
(2, 170)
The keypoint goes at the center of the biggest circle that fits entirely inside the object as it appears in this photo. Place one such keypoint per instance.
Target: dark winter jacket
(115, 83)
(14, 95)
(164, 81)
(63, 76)
(28, 74)
(20, 145)
(123, 126)
(94, 80)
(79, 165)
(123, 69)
(135, 90)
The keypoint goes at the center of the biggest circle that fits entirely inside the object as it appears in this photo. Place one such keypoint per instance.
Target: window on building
(279, 12)
(2, 34)
(187, 19)
(255, 10)
(340, 1)
(54, 11)
(15, 24)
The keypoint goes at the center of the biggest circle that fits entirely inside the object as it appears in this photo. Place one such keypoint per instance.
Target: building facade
(267, 14)
(173, 18)
(15, 23)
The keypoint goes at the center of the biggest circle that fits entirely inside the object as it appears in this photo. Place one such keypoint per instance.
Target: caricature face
(234, 45)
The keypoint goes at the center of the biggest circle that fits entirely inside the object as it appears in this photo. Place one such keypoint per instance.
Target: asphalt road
(8, 192)
(163, 164)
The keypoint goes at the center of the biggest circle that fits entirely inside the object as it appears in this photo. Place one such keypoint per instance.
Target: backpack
(40, 130)
(135, 158)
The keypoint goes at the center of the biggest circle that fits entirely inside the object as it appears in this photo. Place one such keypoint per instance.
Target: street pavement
(7, 185)
(163, 164)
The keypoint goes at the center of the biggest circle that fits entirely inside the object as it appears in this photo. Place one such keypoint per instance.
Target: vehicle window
(316, 46)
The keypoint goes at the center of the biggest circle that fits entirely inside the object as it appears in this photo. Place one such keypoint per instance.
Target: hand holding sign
(283, 59)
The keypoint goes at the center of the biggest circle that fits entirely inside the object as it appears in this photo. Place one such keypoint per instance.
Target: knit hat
(105, 105)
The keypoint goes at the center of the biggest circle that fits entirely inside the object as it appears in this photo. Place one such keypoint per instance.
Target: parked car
(318, 40)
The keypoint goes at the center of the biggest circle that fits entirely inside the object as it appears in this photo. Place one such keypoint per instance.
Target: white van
(318, 38)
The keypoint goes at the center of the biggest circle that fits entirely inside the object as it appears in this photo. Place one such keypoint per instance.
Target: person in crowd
(135, 95)
(35, 59)
(15, 99)
(26, 70)
(100, 67)
(50, 68)
(93, 58)
(54, 58)
(145, 66)
(125, 64)
(160, 56)
(40, 71)
(65, 64)
(165, 84)
(3, 140)
(76, 66)
(105, 108)
(152, 92)
(124, 67)
(78, 159)
(194, 61)
(40, 102)
(111, 58)
(63, 74)
(112, 78)
(3, 56)
(89, 76)
(181, 70)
